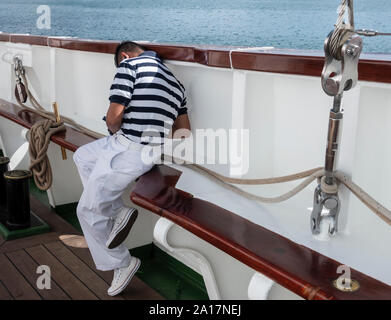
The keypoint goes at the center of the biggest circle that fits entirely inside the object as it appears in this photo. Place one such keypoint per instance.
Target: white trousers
(106, 166)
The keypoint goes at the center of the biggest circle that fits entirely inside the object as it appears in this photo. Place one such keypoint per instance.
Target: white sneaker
(122, 277)
(121, 227)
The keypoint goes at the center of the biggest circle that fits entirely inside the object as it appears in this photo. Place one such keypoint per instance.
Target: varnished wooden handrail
(372, 67)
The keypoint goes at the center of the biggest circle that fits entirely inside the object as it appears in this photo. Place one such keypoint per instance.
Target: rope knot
(39, 139)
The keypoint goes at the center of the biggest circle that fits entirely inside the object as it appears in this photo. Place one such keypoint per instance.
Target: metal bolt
(353, 50)
(330, 203)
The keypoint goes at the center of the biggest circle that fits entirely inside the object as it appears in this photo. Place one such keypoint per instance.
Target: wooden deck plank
(84, 273)
(16, 284)
(78, 245)
(137, 289)
(27, 266)
(4, 293)
(2, 241)
(66, 280)
(28, 242)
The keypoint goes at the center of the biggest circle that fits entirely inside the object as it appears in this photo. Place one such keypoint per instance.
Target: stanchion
(4, 161)
(18, 199)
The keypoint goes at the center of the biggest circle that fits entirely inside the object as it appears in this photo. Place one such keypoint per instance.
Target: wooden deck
(73, 274)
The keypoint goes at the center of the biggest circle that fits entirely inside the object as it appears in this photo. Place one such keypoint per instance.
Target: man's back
(152, 96)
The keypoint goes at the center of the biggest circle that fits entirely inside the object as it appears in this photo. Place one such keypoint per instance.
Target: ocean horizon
(300, 24)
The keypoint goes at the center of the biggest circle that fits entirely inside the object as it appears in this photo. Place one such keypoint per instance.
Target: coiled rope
(39, 138)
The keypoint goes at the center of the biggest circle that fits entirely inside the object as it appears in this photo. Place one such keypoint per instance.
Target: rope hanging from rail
(39, 139)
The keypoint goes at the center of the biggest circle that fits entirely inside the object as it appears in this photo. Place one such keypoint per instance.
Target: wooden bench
(295, 267)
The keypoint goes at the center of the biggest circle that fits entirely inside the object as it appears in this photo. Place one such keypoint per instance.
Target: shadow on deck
(73, 274)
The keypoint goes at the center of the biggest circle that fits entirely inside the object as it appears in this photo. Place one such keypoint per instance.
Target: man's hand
(181, 127)
(114, 117)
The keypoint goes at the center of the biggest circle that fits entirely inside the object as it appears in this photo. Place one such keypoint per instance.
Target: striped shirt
(152, 96)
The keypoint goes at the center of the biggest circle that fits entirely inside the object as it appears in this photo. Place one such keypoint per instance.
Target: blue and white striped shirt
(152, 96)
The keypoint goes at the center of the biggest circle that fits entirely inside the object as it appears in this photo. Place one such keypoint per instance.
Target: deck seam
(75, 254)
(81, 261)
(5, 254)
(44, 245)
(51, 278)
(6, 288)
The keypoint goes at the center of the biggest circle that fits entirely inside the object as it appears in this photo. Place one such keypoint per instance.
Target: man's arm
(181, 127)
(114, 116)
(120, 95)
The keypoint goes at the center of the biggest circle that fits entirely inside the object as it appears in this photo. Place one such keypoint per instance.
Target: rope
(310, 175)
(39, 139)
(365, 198)
(222, 181)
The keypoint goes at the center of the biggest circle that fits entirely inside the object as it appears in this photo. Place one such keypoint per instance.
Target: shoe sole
(123, 233)
(127, 281)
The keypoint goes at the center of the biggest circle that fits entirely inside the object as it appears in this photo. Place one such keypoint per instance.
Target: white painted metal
(259, 287)
(238, 111)
(18, 156)
(199, 262)
(2, 147)
(16, 161)
(20, 50)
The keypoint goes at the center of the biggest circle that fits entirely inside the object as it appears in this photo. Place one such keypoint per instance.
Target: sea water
(295, 24)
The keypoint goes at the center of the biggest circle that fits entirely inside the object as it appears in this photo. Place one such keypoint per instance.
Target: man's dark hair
(126, 46)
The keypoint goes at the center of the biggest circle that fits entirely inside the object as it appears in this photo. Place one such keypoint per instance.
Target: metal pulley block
(20, 89)
(340, 72)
